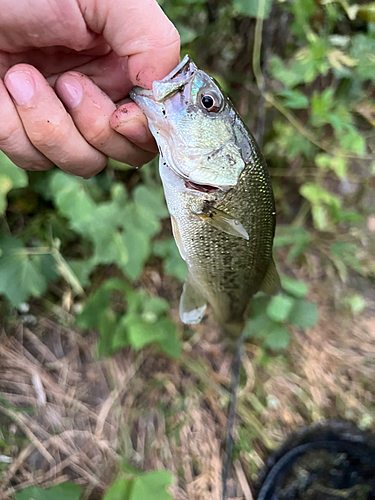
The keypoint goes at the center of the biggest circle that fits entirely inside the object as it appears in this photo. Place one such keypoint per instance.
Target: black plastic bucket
(329, 461)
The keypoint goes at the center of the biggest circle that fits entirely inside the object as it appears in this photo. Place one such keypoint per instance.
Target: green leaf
(321, 218)
(302, 10)
(356, 303)
(363, 50)
(120, 490)
(278, 337)
(329, 162)
(279, 308)
(21, 275)
(353, 141)
(64, 491)
(152, 200)
(96, 305)
(321, 105)
(304, 314)
(253, 8)
(152, 485)
(162, 331)
(138, 249)
(318, 195)
(11, 177)
(294, 99)
(290, 75)
(173, 263)
(296, 288)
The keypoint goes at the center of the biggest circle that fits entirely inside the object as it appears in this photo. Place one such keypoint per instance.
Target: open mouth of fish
(202, 188)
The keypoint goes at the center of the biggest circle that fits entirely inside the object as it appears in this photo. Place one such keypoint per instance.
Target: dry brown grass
(157, 413)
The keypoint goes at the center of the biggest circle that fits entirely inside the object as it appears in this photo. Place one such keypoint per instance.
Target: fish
(218, 193)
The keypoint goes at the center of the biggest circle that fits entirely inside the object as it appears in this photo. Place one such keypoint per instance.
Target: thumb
(138, 29)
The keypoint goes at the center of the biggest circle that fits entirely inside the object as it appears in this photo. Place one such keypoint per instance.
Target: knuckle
(46, 135)
(8, 134)
(97, 135)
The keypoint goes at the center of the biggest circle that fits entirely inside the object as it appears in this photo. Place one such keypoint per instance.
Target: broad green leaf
(90, 316)
(138, 249)
(151, 199)
(253, 8)
(110, 247)
(64, 491)
(304, 314)
(152, 486)
(278, 337)
(259, 324)
(21, 275)
(141, 333)
(120, 490)
(170, 344)
(82, 269)
(297, 288)
(172, 261)
(11, 177)
(279, 307)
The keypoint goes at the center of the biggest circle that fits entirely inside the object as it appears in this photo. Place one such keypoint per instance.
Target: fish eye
(211, 101)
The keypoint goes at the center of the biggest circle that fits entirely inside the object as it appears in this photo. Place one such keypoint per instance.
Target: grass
(78, 418)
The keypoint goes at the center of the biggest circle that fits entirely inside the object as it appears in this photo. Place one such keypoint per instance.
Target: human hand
(64, 63)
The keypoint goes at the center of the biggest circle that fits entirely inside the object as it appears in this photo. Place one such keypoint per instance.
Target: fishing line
(236, 368)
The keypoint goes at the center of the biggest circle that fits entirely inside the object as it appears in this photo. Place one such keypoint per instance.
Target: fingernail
(70, 91)
(21, 86)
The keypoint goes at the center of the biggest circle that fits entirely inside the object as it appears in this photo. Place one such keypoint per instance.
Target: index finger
(138, 29)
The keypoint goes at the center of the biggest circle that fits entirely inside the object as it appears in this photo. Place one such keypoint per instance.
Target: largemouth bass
(218, 193)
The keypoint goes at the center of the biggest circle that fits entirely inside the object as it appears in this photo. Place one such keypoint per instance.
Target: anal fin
(271, 282)
(223, 222)
(192, 304)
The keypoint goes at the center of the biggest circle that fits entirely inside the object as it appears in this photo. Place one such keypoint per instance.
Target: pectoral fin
(223, 222)
(177, 238)
(271, 282)
(192, 304)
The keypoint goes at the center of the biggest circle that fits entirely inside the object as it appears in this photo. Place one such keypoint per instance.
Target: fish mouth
(168, 86)
(202, 188)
